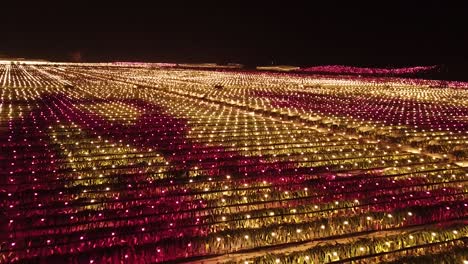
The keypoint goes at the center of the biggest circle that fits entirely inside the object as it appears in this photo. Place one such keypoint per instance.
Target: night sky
(379, 34)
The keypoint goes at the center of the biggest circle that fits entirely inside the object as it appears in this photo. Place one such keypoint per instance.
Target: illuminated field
(143, 163)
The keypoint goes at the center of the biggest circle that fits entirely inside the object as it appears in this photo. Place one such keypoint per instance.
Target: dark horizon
(396, 35)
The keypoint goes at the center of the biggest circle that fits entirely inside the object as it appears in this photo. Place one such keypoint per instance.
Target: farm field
(140, 163)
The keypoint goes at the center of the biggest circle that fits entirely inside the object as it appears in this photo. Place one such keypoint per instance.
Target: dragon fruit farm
(165, 163)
